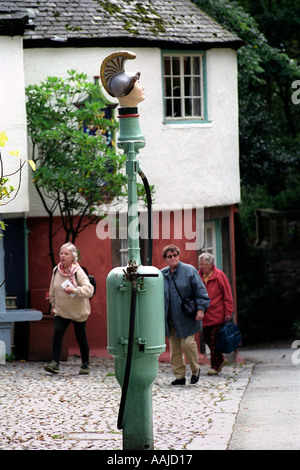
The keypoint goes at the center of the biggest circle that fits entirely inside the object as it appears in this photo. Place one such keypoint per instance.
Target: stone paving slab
(67, 411)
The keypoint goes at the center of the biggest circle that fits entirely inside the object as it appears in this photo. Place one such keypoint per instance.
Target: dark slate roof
(152, 23)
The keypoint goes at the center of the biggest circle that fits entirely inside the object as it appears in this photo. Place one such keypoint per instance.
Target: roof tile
(176, 22)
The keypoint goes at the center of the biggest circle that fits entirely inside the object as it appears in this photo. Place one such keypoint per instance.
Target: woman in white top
(69, 294)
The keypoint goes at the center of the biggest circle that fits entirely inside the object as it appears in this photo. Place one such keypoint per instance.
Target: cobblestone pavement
(67, 411)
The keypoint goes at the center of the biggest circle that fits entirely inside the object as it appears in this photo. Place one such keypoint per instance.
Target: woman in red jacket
(219, 310)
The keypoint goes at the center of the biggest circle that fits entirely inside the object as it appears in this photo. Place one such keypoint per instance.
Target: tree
(77, 166)
(269, 127)
(278, 15)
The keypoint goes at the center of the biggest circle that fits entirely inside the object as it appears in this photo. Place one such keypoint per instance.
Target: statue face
(118, 82)
(134, 97)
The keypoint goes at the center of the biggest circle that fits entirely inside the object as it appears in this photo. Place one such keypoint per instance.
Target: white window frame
(215, 247)
(211, 247)
(177, 79)
(123, 250)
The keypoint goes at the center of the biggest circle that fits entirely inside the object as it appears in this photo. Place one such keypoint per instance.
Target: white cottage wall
(13, 120)
(189, 164)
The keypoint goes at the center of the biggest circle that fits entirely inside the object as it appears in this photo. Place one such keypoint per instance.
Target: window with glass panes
(183, 86)
(210, 238)
(212, 241)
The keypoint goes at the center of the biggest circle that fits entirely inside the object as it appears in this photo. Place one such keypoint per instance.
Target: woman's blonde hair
(72, 248)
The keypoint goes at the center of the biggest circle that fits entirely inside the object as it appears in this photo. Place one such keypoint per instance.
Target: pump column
(131, 140)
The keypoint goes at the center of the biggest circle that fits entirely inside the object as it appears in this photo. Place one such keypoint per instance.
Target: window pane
(188, 107)
(123, 251)
(196, 87)
(168, 108)
(176, 86)
(177, 108)
(197, 107)
(176, 66)
(168, 87)
(187, 86)
(167, 65)
(209, 240)
(187, 66)
(196, 66)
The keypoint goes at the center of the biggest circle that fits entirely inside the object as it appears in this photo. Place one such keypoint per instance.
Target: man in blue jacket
(180, 329)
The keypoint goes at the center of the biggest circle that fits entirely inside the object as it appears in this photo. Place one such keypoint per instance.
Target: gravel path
(67, 411)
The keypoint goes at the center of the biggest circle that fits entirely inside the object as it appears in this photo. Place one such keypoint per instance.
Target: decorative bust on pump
(118, 83)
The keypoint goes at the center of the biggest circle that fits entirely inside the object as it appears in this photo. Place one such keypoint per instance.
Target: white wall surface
(188, 164)
(13, 120)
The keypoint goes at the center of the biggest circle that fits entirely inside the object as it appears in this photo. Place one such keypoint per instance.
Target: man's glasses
(174, 255)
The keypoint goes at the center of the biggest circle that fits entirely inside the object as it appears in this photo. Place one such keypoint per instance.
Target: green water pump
(135, 310)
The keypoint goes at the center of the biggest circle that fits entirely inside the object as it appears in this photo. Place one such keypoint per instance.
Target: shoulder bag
(188, 306)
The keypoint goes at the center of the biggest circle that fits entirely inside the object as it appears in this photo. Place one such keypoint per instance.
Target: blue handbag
(229, 338)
